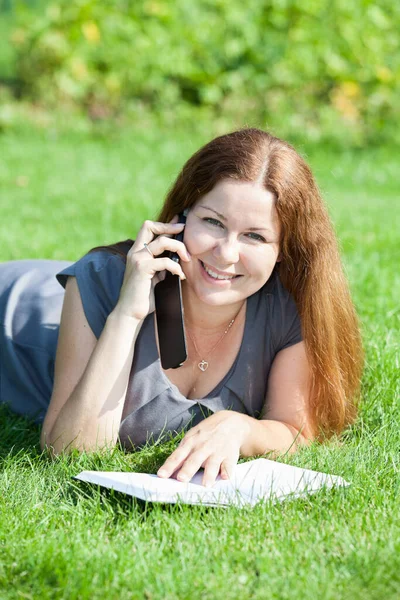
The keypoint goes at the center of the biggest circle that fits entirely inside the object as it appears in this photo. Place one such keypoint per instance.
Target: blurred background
(309, 70)
(102, 102)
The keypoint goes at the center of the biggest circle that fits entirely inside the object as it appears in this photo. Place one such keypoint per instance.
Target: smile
(216, 275)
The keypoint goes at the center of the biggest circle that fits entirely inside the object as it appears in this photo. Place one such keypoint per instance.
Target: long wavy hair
(310, 266)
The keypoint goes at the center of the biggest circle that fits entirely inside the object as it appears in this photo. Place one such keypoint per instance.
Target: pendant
(203, 365)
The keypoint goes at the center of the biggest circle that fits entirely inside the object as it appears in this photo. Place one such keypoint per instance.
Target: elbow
(57, 438)
(290, 438)
(301, 437)
(44, 437)
(55, 447)
(46, 445)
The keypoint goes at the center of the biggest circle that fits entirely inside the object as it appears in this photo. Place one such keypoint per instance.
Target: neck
(208, 318)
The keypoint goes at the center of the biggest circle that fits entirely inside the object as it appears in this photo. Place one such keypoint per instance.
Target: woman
(274, 348)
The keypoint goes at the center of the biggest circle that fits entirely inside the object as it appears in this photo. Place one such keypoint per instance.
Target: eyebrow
(247, 228)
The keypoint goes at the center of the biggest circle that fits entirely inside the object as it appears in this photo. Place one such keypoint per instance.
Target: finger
(148, 267)
(174, 221)
(151, 228)
(211, 471)
(163, 243)
(174, 461)
(228, 469)
(157, 278)
(166, 264)
(192, 465)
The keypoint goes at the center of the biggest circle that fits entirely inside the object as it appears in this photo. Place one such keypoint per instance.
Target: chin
(219, 298)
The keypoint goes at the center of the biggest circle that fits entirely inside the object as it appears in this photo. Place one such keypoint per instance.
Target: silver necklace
(203, 364)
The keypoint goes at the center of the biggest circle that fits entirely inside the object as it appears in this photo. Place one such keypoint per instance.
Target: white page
(252, 481)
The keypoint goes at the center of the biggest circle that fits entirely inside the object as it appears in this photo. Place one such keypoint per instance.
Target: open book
(252, 481)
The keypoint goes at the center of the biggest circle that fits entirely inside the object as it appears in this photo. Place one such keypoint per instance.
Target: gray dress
(30, 310)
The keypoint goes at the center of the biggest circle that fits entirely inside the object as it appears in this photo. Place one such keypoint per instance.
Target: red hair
(310, 266)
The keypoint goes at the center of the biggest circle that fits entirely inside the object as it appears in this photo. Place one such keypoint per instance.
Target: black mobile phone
(169, 315)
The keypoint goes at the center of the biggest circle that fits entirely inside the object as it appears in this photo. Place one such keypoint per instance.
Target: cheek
(197, 241)
(259, 264)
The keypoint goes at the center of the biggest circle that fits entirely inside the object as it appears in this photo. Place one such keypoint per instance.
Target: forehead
(241, 202)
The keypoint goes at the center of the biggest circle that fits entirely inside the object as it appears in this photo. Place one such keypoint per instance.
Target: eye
(213, 221)
(256, 236)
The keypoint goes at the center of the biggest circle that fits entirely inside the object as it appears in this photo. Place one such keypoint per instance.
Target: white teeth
(215, 275)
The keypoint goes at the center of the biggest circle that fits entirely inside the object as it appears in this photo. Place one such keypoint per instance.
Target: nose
(227, 251)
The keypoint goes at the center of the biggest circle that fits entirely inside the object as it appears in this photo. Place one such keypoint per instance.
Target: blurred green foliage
(320, 69)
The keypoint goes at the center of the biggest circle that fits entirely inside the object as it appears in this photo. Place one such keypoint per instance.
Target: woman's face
(232, 234)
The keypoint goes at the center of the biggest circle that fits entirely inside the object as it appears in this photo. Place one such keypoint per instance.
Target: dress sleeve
(99, 277)
(286, 319)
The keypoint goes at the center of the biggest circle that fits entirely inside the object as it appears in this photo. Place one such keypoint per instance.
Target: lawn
(60, 195)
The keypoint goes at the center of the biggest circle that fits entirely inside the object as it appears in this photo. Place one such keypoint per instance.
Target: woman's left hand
(214, 444)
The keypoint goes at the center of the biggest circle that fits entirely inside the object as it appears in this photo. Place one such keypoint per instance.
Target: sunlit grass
(60, 196)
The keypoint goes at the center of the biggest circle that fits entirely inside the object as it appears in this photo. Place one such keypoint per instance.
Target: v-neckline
(226, 377)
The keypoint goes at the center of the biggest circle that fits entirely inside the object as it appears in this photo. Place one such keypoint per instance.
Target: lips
(229, 276)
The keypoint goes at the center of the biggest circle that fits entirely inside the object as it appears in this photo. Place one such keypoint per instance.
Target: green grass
(63, 194)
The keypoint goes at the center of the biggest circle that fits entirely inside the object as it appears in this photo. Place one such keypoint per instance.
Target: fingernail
(183, 477)
(161, 472)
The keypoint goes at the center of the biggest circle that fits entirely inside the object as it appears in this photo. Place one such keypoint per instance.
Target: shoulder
(99, 265)
(283, 313)
(274, 295)
(99, 276)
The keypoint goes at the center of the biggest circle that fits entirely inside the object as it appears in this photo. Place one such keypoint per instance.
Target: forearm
(91, 417)
(270, 436)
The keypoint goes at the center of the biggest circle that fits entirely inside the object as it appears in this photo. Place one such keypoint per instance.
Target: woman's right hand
(143, 271)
